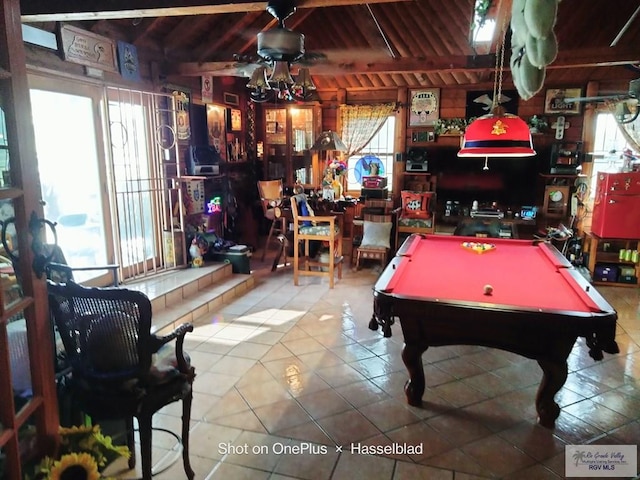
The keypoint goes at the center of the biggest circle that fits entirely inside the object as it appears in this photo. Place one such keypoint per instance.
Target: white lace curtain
(360, 123)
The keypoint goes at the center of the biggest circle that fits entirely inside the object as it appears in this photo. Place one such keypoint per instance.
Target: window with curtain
(379, 151)
(608, 145)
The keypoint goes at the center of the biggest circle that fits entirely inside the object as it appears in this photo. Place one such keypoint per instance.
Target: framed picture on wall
(424, 107)
(555, 103)
(216, 128)
(236, 119)
(231, 99)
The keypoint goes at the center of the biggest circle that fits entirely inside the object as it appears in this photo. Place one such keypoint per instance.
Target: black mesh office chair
(119, 370)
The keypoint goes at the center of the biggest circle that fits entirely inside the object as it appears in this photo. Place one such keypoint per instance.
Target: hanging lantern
(497, 134)
(492, 135)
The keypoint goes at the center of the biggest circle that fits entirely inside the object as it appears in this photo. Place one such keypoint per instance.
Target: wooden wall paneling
(400, 142)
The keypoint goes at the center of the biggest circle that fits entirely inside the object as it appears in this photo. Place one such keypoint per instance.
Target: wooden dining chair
(377, 232)
(271, 193)
(307, 228)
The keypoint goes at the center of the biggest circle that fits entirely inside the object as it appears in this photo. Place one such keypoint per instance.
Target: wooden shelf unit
(606, 251)
(289, 133)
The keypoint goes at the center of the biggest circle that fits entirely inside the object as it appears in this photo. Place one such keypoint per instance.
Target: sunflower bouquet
(84, 453)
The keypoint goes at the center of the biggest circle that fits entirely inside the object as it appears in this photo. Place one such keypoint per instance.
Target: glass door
(276, 149)
(68, 142)
(302, 138)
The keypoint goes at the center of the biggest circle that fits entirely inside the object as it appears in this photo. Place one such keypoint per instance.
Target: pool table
(539, 306)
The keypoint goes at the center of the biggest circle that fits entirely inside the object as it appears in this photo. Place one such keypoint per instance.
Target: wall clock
(556, 196)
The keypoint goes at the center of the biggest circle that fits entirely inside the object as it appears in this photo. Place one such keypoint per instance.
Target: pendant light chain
(497, 81)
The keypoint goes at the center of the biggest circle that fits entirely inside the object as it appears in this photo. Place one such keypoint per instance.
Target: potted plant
(450, 125)
(537, 124)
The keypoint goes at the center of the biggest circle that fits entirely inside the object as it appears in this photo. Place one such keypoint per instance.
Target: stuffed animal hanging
(534, 44)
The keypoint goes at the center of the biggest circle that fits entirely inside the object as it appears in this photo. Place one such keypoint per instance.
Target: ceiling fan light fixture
(304, 80)
(281, 74)
(259, 80)
(303, 85)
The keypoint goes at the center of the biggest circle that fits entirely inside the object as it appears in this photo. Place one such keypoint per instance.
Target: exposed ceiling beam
(568, 59)
(78, 10)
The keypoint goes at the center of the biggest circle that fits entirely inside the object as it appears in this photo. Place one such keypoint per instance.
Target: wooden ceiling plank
(144, 29)
(79, 10)
(410, 28)
(390, 27)
(217, 41)
(330, 32)
(362, 21)
(460, 16)
(187, 27)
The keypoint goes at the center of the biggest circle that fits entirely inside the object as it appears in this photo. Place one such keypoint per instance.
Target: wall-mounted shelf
(566, 157)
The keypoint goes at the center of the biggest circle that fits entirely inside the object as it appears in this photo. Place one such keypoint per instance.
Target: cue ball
(488, 289)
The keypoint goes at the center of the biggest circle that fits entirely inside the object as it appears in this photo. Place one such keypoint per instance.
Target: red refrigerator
(616, 207)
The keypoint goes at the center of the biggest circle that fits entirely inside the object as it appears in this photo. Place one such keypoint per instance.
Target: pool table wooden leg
(384, 322)
(554, 374)
(412, 358)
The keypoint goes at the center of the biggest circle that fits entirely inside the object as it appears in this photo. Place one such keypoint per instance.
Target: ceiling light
(280, 84)
(497, 134)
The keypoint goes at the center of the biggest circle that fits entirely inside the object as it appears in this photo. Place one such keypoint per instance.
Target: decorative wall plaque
(87, 48)
(424, 107)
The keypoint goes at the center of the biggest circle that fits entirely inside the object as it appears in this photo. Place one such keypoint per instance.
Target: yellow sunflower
(78, 429)
(72, 466)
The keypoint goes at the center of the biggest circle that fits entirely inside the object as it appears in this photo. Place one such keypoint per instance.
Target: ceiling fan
(281, 44)
(277, 49)
(627, 109)
(278, 44)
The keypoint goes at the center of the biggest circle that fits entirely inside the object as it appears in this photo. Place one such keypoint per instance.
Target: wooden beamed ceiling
(354, 45)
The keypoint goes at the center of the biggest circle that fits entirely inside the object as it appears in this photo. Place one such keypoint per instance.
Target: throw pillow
(376, 234)
(303, 207)
(416, 204)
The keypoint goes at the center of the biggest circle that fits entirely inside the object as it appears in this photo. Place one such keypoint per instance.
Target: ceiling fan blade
(231, 69)
(351, 55)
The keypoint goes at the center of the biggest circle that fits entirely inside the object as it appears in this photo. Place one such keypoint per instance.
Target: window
(381, 149)
(608, 146)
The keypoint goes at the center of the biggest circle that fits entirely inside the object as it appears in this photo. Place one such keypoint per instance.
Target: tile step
(182, 295)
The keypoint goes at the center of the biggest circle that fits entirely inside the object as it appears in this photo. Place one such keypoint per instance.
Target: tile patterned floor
(294, 371)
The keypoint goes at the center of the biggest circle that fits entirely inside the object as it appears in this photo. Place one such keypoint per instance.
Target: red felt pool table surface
(524, 274)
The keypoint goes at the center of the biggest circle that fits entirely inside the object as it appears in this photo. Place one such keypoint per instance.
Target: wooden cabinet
(28, 404)
(557, 198)
(556, 201)
(289, 133)
(606, 253)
